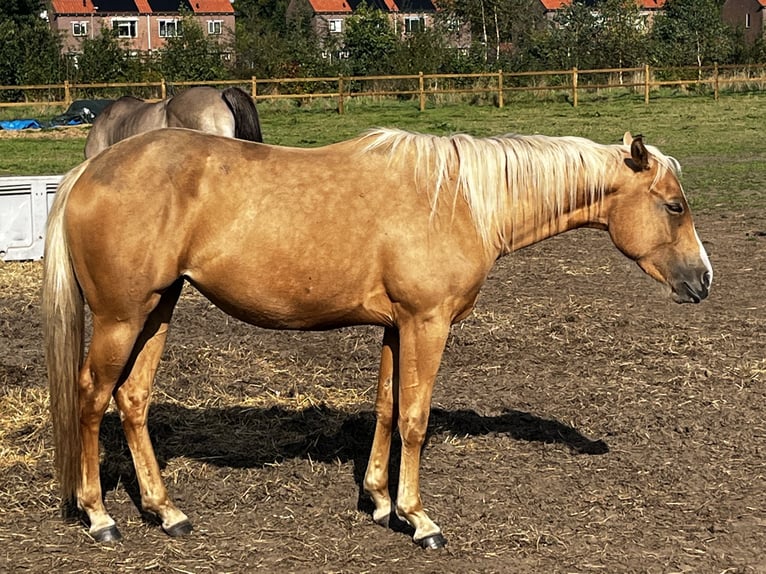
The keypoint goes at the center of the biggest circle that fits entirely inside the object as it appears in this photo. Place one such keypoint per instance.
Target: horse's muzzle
(693, 291)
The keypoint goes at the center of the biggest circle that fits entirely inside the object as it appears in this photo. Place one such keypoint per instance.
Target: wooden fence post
(715, 80)
(500, 89)
(422, 92)
(646, 84)
(67, 93)
(574, 86)
(163, 89)
(340, 95)
(254, 87)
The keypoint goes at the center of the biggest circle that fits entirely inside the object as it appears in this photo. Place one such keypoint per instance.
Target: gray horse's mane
(498, 175)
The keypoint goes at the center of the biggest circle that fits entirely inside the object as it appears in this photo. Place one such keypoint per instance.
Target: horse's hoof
(107, 535)
(384, 520)
(433, 542)
(181, 529)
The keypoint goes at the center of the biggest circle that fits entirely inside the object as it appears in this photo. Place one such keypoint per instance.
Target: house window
(747, 20)
(215, 27)
(335, 25)
(453, 24)
(170, 28)
(79, 28)
(125, 28)
(414, 24)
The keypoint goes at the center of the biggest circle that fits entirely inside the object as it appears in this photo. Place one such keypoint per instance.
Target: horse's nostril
(707, 278)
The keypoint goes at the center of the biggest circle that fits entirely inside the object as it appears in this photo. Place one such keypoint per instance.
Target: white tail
(63, 335)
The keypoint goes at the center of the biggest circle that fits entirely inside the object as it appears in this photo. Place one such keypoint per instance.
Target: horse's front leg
(376, 477)
(422, 342)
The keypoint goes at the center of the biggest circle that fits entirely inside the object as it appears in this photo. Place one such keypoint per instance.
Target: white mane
(496, 175)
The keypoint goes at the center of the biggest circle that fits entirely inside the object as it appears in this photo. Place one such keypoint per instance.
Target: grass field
(693, 129)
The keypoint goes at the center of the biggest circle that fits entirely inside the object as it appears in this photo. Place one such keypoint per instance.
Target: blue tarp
(19, 124)
(80, 112)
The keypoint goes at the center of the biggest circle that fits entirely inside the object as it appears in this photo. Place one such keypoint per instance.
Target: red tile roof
(555, 4)
(645, 4)
(320, 6)
(143, 6)
(73, 6)
(217, 6)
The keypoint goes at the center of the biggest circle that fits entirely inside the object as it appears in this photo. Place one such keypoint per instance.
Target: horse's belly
(279, 301)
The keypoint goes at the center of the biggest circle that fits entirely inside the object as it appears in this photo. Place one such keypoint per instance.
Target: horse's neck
(536, 220)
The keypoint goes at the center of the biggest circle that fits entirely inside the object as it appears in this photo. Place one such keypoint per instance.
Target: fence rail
(496, 86)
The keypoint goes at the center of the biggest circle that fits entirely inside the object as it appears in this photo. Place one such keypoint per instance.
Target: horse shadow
(246, 437)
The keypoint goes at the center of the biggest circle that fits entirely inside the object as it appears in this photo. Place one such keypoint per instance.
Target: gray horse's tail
(247, 124)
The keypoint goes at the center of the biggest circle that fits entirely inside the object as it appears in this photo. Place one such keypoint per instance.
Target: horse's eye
(675, 208)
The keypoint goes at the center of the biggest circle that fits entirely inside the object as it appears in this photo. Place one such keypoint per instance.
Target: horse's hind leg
(132, 398)
(110, 348)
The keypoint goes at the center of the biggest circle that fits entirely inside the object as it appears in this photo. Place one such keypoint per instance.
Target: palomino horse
(392, 229)
(231, 113)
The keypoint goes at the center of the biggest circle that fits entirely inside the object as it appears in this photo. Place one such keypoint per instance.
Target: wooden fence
(494, 86)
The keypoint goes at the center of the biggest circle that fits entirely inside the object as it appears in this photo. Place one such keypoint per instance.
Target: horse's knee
(413, 426)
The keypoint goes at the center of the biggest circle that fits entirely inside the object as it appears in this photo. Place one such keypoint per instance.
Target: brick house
(746, 16)
(143, 24)
(329, 17)
(648, 9)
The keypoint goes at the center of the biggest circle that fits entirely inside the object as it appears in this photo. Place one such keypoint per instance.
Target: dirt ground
(582, 422)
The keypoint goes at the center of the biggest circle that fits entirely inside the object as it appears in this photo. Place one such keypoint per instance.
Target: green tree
(270, 15)
(192, 55)
(498, 27)
(370, 42)
(104, 58)
(29, 50)
(18, 10)
(423, 51)
(41, 60)
(275, 42)
(690, 32)
(622, 40)
(571, 42)
(592, 34)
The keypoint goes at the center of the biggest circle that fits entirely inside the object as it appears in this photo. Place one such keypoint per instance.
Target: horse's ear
(627, 139)
(638, 154)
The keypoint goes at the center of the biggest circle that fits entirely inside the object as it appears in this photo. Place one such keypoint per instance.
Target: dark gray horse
(229, 113)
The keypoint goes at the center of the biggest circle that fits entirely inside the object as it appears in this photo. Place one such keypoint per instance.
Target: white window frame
(335, 25)
(214, 27)
(125, 24)
(747, 20)
(79, 29)
(169, 28)
(408, 21)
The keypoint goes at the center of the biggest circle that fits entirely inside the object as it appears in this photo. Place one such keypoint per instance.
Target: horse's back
(123, 118)
(265, 231)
